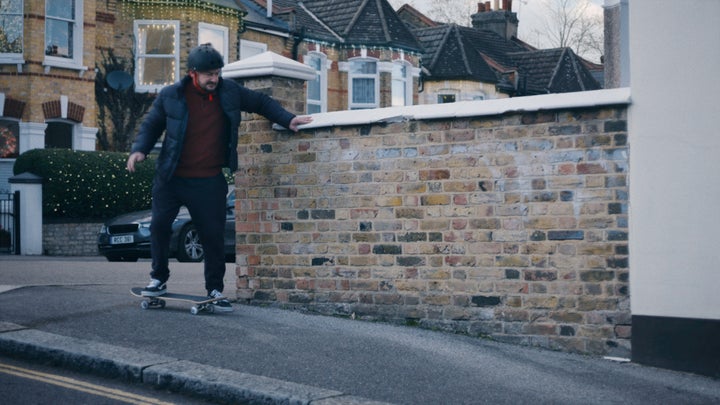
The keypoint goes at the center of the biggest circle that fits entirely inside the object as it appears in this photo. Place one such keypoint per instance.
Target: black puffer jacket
(169, 114)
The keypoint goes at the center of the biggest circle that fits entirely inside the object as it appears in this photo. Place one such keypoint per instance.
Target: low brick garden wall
(512, 226)
(70, 239)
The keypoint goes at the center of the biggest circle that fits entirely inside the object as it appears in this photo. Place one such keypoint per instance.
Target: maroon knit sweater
(204, 151)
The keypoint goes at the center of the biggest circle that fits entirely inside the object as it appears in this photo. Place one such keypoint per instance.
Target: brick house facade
(47, 77)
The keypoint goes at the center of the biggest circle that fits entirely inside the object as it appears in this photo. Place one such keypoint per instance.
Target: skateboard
(200, 303)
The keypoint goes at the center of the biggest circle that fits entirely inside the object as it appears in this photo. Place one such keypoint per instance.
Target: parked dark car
(126, 238)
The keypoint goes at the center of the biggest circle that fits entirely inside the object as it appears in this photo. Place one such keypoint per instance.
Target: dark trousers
(205, 201)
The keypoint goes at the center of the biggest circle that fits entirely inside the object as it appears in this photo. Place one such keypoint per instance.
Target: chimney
(500, 20)
(269, 8)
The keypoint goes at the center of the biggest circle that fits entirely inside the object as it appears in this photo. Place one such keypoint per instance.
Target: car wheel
(189, 247)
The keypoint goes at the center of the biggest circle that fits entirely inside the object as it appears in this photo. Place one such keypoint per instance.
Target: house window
(217, 35)
(9, 131)
(364, 84)
(157, 53)
(401, 84)
(446, 98)
(11, 31)
(317, 89)
(58, 135)
(250, 48)
(63, 33)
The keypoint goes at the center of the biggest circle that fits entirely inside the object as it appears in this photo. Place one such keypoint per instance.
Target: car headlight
(103, 229)
(144, 228)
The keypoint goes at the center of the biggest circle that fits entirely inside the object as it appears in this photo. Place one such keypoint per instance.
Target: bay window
(317, 89)
(64, 33)
(9, 137)
(249, 49)
(217, 35)
(401, 84)
(364, 86)
(11, 31)
(157, 53)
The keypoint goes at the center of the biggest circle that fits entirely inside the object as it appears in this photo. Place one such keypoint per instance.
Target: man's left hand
(299, 120)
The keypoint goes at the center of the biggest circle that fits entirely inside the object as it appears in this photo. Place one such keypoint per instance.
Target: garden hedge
(88, 185)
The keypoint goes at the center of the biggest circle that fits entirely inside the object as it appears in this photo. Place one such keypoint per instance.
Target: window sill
(13, 61)
(48, 65)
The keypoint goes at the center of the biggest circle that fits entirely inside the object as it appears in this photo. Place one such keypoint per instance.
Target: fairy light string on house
(168, 14)
(160, 9)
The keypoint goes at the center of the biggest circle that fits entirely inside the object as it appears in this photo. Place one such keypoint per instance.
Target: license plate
(121, 239)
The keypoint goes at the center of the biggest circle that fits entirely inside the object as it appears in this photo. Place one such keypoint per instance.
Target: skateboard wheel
(162, 303)
(144, 305)
(211, 308)
(194, 310)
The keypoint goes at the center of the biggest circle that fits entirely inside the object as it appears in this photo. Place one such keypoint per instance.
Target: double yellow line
(78, 385)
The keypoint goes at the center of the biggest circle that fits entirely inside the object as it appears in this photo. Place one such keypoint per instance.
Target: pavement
(77, 313)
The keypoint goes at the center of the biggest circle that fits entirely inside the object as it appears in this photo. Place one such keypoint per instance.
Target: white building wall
(675, 158)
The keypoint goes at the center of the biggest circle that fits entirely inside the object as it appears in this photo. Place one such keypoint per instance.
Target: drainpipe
(269, 8)
(298, 37)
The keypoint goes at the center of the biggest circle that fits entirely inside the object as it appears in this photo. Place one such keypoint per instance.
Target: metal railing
(10, 223)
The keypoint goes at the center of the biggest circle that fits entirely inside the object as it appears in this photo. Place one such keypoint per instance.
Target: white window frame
(140, 87)
(321, 77)
(352, 76)
(205, 35)
(407, 82)
(74, 62)
(14, 57)
(251, 48)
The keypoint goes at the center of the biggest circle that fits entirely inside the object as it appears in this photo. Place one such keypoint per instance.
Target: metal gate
(10, 223)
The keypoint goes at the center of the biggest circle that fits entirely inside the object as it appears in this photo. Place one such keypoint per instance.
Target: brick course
(71, 239)
(511, 226)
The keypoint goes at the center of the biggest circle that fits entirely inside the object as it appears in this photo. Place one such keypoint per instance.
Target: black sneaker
(222, 304)
(156, 288)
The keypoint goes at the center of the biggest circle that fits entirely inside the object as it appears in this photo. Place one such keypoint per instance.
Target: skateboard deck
(200, 303)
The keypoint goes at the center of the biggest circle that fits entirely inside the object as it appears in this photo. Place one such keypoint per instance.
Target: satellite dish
(119, 80)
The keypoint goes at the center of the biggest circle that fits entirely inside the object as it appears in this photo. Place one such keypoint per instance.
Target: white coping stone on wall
(268, 64)
(465, 109)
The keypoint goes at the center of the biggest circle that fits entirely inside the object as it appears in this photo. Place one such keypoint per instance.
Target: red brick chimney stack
(500, 18)
(487, 6)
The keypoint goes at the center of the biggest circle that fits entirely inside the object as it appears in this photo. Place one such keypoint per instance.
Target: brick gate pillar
(277, 76)
(284, 80)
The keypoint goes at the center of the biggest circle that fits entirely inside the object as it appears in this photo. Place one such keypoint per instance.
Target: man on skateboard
(200, 117)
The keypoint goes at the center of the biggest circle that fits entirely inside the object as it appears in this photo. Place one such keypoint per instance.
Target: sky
(531, 14)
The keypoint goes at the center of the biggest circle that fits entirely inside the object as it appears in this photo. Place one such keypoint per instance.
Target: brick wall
(72, 239)
(512, 226)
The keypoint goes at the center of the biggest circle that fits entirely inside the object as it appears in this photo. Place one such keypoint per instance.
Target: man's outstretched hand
(135, 157)
(299, 120)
